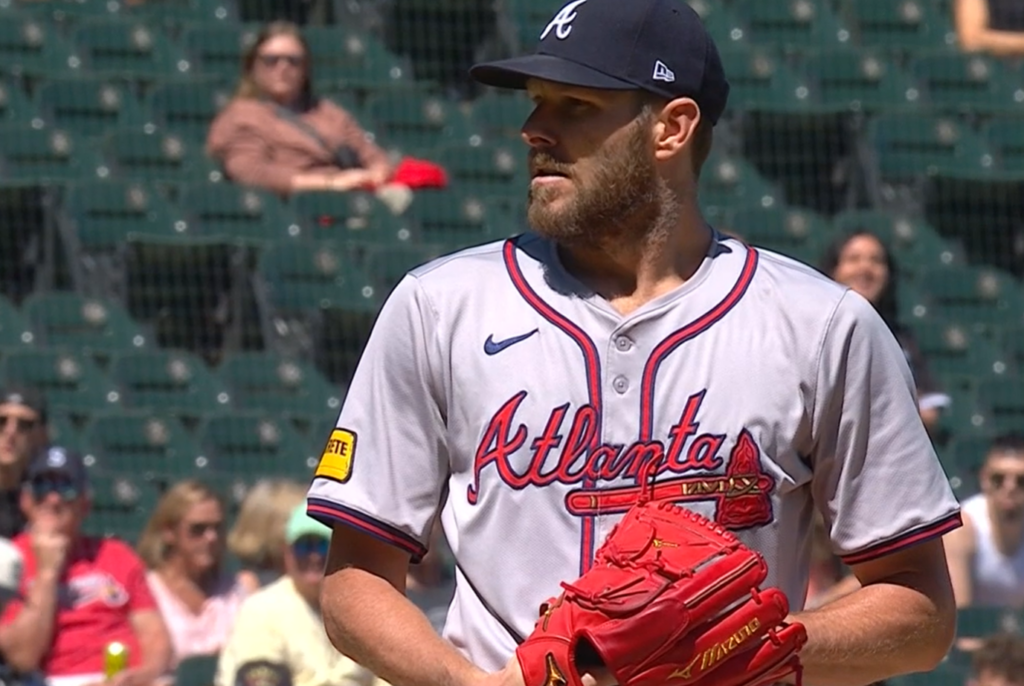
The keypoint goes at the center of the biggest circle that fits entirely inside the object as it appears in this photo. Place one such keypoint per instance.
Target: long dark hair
(887, 305)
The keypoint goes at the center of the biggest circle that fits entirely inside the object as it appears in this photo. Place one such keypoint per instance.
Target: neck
(10, 476)
(175, 569)
(1007, 532)
(630, 275)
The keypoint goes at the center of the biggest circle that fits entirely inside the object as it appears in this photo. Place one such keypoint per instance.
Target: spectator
(993, 26)
(183, 547)
(78, 593)
(257, 538)
(276, 134)
(300, 642)
(986, 555)
(23, 432)
(862, 261)
(998, 661)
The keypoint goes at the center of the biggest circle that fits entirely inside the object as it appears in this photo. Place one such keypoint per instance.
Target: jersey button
(623, 343)
(620, 384)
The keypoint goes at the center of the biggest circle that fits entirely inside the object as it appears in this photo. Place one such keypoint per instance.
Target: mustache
(543, 163)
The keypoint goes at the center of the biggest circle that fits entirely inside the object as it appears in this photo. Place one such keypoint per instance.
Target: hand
(349, 179)
(49, 545)
(512, 675)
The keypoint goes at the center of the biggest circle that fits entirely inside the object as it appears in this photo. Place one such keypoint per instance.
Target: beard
(623, 200)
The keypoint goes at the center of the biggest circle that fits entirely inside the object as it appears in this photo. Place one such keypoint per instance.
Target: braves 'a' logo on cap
(562, 23)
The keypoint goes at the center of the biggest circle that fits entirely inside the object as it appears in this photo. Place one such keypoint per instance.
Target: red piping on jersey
(691, 330)
(593, 368)
(920, 535)
(327, 512)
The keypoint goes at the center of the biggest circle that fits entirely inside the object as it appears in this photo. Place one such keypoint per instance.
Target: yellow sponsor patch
(336, 461)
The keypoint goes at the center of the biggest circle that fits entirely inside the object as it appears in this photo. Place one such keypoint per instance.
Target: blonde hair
(169, 512)
(247, 87)
(257, 538)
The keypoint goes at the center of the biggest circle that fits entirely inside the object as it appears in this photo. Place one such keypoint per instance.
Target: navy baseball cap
(659, 46)
(57, 461)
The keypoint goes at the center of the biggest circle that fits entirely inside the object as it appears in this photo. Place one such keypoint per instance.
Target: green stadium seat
(216, 49)
(155, 156)
(457, 219)
(62, 431)
(1005, 400)
(197, 670)
(979, 296)
(98, 216)
(90, 325)
(255, 443)
(356, 59)
(15, 329)
(916, 245)
(970, 453)
(174, 13)
(44, 155)
(236, 212)
(898, 25)
(387, 265)
(500, 117)
(489, 170)
(409, 119)
(861, 80)
(274, 383)
(142, 443)
(66, 14)
(967, 82)
(977, 622)
(797, 24)
(87, 105)
(1005, 138)
(797, 233)
(729, 181)
(723, 26)
(952, 348)
(907, 146)
(72, 382)
(168, 381)
(121, 505)
(353, 216)
(31, 46)
(127, 48)
(1011, 339)
(15, 105)
(186, 108)
(311, 275)
(759, 78)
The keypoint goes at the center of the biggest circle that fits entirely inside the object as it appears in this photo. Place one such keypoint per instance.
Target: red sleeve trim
(331, 513)
(913, 537)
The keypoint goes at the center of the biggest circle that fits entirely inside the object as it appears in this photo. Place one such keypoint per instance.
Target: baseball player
(516, 389)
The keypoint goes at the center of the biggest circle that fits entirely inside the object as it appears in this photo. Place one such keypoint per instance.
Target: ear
(675, 127)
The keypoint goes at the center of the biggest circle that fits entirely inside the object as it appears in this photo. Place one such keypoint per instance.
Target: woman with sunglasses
(986, 555)
(276, 134)
(183, 547)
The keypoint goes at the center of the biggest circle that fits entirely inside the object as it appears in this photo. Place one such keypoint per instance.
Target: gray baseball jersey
(496, 390)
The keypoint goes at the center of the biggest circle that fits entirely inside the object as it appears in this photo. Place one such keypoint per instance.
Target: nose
(538, 131)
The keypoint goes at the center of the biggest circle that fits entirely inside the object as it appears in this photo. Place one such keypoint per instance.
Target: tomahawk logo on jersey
(524, 407)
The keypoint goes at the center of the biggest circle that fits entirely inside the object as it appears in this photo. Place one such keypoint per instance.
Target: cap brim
(514, 72)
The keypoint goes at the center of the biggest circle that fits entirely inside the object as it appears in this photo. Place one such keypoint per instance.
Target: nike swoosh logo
(493, 348)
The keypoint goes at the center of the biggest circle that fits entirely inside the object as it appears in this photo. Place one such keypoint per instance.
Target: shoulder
(447, 278)
(114, 552)
(240, 112)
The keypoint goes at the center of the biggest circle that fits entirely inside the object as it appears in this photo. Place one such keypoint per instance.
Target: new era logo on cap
(663, 73)
(562, 22)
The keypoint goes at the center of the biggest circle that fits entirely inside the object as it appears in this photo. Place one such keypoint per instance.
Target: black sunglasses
(999, 478)
(43, 486)
(20, 423)
(198, 529)
(307, 546)
(272, 60)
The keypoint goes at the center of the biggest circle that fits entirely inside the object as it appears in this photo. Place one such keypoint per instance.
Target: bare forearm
(1002, 43)
(874, 633)
(27, 638)
(369, 620)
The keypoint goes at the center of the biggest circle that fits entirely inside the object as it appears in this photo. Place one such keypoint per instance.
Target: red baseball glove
(672, 599)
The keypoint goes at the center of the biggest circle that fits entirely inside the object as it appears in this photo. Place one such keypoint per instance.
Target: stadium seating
(186, 107)
(173, 382)
(89, 325)
(15, 331)
(72, 382)
(143, 443)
